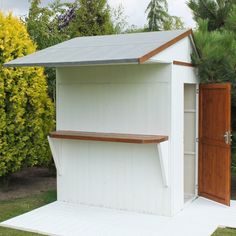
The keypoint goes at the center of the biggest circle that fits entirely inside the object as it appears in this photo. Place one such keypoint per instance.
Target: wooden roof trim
(183, 63)
(164, 46)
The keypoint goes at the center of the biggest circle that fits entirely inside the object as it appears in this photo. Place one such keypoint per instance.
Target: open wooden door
(215, 142)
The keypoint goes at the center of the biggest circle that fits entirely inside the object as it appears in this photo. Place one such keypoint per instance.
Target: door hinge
(197, 140)
(197, 90)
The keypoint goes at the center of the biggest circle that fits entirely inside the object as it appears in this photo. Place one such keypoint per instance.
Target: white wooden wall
(126, 99)
(122, 99)
(180, 51)
(113, 175)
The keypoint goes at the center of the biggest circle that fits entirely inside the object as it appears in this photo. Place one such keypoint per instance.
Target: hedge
(26, 112)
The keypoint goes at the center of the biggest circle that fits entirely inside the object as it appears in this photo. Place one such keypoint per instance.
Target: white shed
(126, 120)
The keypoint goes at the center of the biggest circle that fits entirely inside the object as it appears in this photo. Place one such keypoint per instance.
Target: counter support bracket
(56, 148)
(163, 152)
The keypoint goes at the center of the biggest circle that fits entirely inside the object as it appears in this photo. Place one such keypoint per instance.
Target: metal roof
(109, 49)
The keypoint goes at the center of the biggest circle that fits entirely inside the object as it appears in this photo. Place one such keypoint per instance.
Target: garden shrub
(26, 112)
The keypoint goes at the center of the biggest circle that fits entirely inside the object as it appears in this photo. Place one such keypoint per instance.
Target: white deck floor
(199, 218)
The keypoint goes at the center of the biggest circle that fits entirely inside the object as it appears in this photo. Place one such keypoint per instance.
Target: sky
(133, 9)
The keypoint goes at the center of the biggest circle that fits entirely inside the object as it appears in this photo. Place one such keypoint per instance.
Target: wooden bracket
(56, 146)
(163, 152)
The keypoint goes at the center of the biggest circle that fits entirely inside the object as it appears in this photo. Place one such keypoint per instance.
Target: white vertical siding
(123, 99)
(126, 99)
(113, 175)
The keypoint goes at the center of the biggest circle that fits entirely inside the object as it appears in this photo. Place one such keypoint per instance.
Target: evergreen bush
(26, 112)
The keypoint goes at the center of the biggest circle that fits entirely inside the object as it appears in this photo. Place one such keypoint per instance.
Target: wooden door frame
(227, 201)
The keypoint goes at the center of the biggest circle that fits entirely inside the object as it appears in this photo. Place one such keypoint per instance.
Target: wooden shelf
(108, 137)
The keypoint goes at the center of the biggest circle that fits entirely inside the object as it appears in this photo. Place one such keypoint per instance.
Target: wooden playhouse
(126, 120)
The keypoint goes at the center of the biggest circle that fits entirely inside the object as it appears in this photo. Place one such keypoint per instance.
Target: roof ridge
(133, 33)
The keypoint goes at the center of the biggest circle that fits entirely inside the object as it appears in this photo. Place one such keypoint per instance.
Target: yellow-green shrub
(26, 112)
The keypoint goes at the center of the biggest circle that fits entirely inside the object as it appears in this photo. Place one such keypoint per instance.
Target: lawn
(11, 208)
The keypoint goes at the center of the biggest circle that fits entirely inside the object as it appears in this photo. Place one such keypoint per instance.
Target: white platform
(201, 217)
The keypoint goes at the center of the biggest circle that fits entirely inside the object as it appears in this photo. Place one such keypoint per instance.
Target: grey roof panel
(123, 48)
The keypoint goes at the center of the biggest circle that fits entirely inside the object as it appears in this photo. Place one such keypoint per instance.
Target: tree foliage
(215, 11)
(60, 21)
(157, 14)
(159, 18)
(44, 24)
(26, 112)
(217, 48)
(48, 26)
(230, 22)
(119, 20)
(217, 61)
(93, 17)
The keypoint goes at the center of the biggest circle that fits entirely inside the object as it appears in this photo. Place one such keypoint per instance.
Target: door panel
(214, 151)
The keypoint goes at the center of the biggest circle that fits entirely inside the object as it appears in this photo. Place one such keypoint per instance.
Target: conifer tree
(93, 17)
(215, 11)
(159, 18)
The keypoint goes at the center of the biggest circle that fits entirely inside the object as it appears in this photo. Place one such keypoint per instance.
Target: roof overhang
(37, 59)
(70, 64)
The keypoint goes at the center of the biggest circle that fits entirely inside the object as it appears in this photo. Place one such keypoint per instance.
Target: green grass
(225, 232)
(11, 208)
